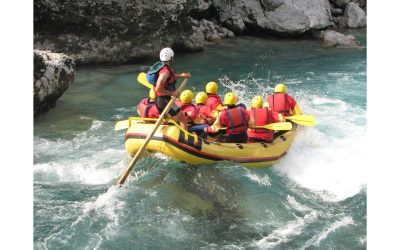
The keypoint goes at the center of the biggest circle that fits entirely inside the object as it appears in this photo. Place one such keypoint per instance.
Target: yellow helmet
(230, 98)
(201, 97)
(280, 88)
(152, 94)
(211, 88)
(257, 102)
(186, 96)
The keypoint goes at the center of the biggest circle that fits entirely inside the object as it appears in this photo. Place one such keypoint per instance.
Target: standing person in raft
(282, 102)
(165, 85)
(235, 118)
(260, 116)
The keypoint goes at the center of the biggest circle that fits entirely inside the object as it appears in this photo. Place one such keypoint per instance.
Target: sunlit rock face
(53, 74)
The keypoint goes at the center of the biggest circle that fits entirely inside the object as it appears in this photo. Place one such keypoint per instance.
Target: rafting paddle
(305, 120)
(121, 125)
(276, 126)
(148, 138)
(126, 123)
(142, 79)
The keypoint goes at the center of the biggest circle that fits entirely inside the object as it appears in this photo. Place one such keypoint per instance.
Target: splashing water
(314, 198)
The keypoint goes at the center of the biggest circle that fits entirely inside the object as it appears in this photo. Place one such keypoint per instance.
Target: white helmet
(166, 54)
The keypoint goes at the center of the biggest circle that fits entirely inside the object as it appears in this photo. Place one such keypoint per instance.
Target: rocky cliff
(111, 31)
(53, 74)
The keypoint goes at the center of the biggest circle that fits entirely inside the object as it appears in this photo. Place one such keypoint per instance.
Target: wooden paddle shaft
(148, 138)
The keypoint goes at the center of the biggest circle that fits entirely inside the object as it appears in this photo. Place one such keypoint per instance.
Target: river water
(314, 198)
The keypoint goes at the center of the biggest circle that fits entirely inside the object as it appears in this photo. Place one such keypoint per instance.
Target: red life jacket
(213, 101)
(190, 111)
(261, 116)
(146, 109)
(278, 102)
(152, 111)
(204, 112)
(169, 83)
(236, 120)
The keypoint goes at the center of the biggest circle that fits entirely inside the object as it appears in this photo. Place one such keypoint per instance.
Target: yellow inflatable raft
(173, 141)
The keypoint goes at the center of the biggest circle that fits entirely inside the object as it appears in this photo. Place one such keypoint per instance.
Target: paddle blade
(121, 125)
(142, 80)
(277, 126)
(305, 120)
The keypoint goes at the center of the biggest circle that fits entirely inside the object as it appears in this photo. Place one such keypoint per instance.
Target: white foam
(90, 169)
(299, 207)
(330, 158)
(287, 232)
(262, 181)
(107, 204)
(91, 157)
(317, 239)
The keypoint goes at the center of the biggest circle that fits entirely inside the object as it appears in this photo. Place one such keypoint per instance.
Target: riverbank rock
(354, 16)
(200, 32)
(279, 16)
(53, 74)
(288, 20)
(340, 3)
(334, 38)
(117, 32)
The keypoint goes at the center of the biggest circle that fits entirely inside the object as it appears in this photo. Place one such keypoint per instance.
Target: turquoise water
(314, 198)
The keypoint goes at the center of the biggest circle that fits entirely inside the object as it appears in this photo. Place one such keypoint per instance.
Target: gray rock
(333, 38)
(287, 19)
(53, 74)
(190, 42)
(271, 5)
(202, 5)
(213, 32)
(340, 3)
(362, 4)
(230, 14)
(317, 11)
(319, 34)
(336, 12)
(286, 16)
(354, 16)
(200, 32)
(115, 32)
